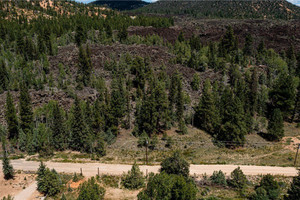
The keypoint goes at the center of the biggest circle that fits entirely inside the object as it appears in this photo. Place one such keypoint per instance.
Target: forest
(66, 85)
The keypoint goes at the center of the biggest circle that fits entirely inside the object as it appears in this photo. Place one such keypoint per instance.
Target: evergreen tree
(271, 186)
(233, 128)
(90, 190)
(81, 35)
(275, 126)
(134, 179)
(248, 48)
(175, 164)
(58, 129)
(195, 84)
(22, 140)
(283, 93)
(212, 57)
(118, 101)
(228, 43)
(180, 100)
(26, 114)
(7, 168)
(294, 191)
(11, 118)
(79, 129)
(84, 66)
(40, 176)
(123, 34)
(291, 60)
(180, 37)
(206, 115)
(3, 77)
(254, 91)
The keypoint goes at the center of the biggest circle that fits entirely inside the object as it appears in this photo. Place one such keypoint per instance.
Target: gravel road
(91, 169)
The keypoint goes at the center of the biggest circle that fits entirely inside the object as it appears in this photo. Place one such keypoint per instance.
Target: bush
(271, 186)
(260, 194)
(169, 142)
(110, 181)
(8, 198)
(169, 186)
(133, 179)
(238, 179)
(49, 182)
(218, 178)
(175, 165)
(294, 190)
(90, 190)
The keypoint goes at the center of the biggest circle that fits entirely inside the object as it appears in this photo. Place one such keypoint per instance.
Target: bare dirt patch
(120, 194)
(291, 143)
(12, 187)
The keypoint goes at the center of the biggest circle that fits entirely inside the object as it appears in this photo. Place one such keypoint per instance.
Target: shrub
(49, 182)
(175, 164)
(271, 186)
(294, 190)
(100, 148)
(260, 194)
(8, 198)
(218, 178)
(7, 168)
(133, 179)
(238, 179)
(169, 142)
(76, 177)
(90, 190)
(110, 181)
(169, 186)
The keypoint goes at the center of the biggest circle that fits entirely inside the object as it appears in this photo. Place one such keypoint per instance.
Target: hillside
(121, 5)
(255, 9)
(83, 83)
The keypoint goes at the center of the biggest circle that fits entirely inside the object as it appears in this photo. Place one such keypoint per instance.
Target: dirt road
(27, 192)
(91, 169)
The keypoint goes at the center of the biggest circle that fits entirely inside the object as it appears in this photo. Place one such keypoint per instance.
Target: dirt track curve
(91, 169)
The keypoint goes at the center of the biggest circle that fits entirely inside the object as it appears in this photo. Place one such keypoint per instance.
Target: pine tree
(283, 93)
(79, 129)
(212, 58)
(228, 43)
(254, 91)
(180, 37)
(291, 60)
(248, 48)
(118, 101)
(294, 191)
(180, 100)
(11, 118)
(40, 176)
(275, 126)
(207, 116)
(22, 140)
(26, 114)
(58, 129)
(3, 77)
(81, 35)
(233, 128)
(84, 66)
(7, 168)
(123, 34)
(195, 84)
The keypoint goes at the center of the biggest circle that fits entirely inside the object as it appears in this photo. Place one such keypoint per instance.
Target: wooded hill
(121, 5)
(74, 81)
(254, 9)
